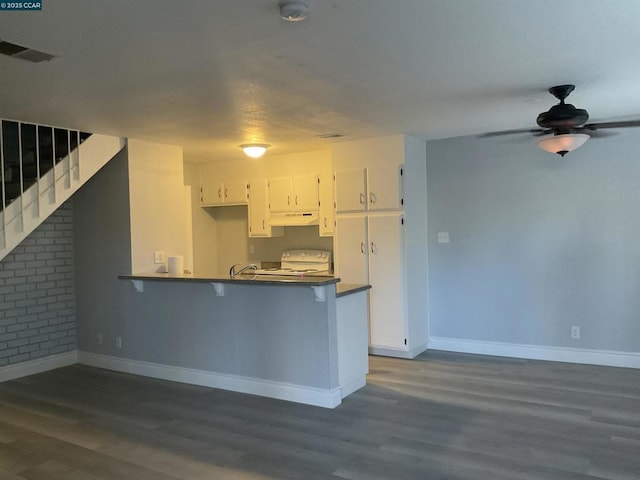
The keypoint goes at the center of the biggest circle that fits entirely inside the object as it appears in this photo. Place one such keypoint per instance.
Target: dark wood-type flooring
(441, 416)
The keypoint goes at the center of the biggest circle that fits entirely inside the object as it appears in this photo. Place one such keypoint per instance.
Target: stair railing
(25, 158)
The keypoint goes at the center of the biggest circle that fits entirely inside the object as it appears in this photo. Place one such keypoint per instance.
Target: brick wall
(37, 301)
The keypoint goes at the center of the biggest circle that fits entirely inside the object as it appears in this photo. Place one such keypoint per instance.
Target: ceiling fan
(567, 123)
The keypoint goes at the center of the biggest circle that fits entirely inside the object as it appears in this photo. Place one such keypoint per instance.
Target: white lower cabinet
(370, 249)
(386, 271)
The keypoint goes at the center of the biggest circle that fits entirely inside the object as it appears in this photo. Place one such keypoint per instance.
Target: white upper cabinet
(281, 194)
(293, 194)
(384, 188)
(215, 191)
(369, 189)
(350, 188)
(259, 225)
(235, 192)
(211, 193)
(305, 193)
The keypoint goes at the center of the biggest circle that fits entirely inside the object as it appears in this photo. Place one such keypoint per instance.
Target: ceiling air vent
(24, 53)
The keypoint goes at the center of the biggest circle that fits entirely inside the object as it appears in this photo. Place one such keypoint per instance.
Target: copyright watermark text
(21, 5)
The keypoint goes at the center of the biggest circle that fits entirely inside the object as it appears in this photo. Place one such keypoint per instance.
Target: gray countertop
(342, 289)
(308, 280)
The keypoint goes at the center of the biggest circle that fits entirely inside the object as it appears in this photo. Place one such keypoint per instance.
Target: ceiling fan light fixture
(563, 144)
(254, 150)
(294, 10)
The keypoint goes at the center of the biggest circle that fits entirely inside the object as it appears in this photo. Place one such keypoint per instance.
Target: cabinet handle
(372, 197)
(362, 199)
(373, 247)
(219, 193)
(263, 224)
(226, 194)
(296, 199)
(288, 199)
(361, 247)
(325, 222)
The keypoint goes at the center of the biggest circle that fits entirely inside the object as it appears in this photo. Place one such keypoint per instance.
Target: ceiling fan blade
(510, 132)
(622, 124)
(541, 133)
(595, 133)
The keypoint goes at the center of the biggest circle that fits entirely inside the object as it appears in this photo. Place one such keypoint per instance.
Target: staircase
(40, 168)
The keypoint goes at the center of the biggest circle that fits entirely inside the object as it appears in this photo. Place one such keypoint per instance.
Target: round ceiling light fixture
(254, 150)
(294, 10)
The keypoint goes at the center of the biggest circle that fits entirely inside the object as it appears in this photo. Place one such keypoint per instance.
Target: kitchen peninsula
(302, 339)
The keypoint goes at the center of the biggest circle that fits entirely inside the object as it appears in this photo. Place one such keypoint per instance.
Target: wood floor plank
(440, 416)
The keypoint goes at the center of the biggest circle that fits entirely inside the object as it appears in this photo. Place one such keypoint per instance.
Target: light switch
(443, 237)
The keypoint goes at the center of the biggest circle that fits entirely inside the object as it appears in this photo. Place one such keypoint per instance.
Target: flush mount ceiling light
(254, 150)
(563, 144)
(294, 10)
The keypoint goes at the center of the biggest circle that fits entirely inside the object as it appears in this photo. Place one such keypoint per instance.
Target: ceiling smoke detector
(294, 10)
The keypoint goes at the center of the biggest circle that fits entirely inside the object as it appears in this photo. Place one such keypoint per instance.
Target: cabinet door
(386, 275)
(281, 194)
(350, 191)
(235, 192)
(258, 208)
(305, 193)
(384, 188)
(350, 250)
(211, 192)
(326, 215)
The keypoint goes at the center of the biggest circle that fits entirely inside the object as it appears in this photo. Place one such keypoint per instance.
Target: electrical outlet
(443, 237)
(158, 257)
(118, 342)
(252, 249)
(575, 332)
(99, 339)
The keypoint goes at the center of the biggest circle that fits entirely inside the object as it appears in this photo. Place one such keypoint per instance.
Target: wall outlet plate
(443, 237)
(158, 257)
(575, 332)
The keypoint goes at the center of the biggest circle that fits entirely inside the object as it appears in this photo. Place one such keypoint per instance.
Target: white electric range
(300, 262)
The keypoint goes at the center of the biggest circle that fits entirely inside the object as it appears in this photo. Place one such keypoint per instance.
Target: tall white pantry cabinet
(381, 237)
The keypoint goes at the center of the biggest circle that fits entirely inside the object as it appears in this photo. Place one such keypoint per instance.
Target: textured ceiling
(211, 74)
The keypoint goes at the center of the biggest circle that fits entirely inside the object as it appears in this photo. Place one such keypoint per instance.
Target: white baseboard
(328, 398)
(396, 352)
(353, 386)
(538, 352)
(39, 365)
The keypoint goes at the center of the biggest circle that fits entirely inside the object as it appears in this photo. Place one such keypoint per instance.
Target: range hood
(291, 219)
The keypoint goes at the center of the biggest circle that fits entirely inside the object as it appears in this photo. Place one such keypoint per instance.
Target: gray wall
(37, 306)
(102, 251)
(538, 242)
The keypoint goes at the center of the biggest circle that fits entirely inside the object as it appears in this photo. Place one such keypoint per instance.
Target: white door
(384, 187)
(258, 208)
(350, 250)
(235, 192)
(280, 194)
(305, 193)
(327, 218)
(386, 275)
(212, 192)
(350, 191)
